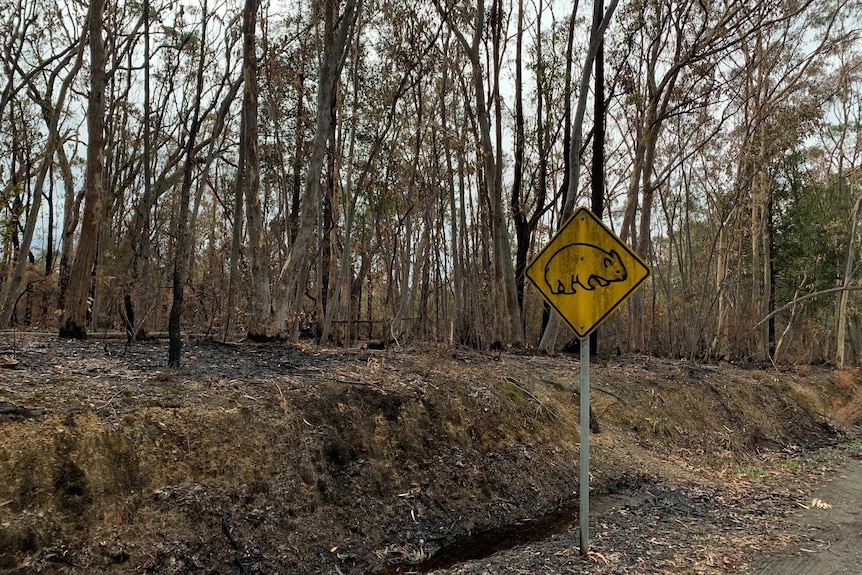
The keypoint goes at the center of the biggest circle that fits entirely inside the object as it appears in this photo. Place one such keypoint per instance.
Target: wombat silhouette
(586, 266)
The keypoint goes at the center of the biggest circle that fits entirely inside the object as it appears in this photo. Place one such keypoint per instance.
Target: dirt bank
(276, 458)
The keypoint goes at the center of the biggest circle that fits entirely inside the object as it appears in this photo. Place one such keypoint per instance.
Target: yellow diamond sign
(585, 272)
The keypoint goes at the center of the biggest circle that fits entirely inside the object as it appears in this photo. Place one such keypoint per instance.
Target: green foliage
(647, 426)
(811, 223)
(753, 473)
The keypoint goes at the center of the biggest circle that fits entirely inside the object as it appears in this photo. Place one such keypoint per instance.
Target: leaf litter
(261, 458)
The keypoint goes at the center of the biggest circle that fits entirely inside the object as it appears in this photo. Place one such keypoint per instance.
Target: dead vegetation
(276, 458)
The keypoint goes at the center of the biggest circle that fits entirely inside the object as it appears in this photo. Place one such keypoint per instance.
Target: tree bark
(848, 271)
(458, 327)
(73, 323)
(184, 240)
(337, 33)
(260, 323)
(519, 215)
(598, 168)
(143, 269)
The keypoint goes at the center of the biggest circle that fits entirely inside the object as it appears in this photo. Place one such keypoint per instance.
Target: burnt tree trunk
(184, 240)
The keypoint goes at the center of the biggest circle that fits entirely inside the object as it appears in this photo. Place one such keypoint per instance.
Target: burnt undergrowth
(263, 458)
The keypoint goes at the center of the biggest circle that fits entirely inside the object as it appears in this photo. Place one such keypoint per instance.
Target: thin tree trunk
(260, 328)
(598, 168)
(848, 271)
(549, 337)
(519, 215)
(299, 155)
(547, 315)
(49, 242)
(236, 239)
(401, 323)
(71, 216)
(637, 337)
(10, 293)
(458, 326)
(184, 240)
(340, 304)
(144, 289)
(502, 247)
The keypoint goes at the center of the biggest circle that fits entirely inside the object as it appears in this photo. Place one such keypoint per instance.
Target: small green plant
(753, 473)
(655, 424)
(647, 425)
(637, 425)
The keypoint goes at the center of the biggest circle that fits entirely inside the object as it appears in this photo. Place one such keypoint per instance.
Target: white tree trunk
(848, 271)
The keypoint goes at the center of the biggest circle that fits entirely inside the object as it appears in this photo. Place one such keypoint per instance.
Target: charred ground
(272, 458)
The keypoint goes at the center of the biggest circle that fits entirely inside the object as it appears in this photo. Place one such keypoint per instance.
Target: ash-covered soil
(275, 458)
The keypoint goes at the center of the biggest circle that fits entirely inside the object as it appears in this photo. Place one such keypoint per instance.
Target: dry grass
(851, 412)
(846, 379)
(272, 443)
(848, 409)
(808, 397)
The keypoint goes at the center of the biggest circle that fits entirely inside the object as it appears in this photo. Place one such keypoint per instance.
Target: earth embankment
(277, 458)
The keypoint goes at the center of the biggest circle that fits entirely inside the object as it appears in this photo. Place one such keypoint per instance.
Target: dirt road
(830, 529)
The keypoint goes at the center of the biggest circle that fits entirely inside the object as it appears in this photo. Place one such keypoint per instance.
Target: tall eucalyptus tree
(67, 63)
(74, 320)
(337, 32)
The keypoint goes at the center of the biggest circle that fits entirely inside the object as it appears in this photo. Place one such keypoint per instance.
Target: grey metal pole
(584, 482)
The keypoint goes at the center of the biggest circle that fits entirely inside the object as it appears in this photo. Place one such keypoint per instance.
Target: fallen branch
(534, 398)
(603, 390)
(228, 533)
(803, 298)
(12, 410)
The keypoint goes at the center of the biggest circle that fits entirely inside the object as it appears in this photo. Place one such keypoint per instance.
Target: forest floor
(278, 458)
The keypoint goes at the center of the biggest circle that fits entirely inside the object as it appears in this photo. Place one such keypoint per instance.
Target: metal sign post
(584, 482)
(585, 272)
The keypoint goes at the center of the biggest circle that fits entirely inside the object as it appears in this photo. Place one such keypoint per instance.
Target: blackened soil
(274, 458)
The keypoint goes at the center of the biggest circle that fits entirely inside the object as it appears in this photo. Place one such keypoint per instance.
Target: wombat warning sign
(585, 272)
(586, 267)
